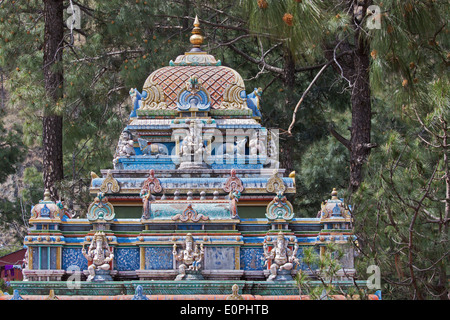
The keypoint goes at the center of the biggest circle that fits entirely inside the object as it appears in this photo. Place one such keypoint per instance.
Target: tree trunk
(361, 114)
(357, 70)
(53, 80)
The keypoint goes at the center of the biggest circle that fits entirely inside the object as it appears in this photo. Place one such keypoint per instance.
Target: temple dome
(224, 86)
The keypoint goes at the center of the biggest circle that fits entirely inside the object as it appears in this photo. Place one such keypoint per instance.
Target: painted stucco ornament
(193, 97)
(100, 209)
(190, 258)
(334, 208)
(136, 98)
(280, 208)
(280, 259)
(233, 183)
(253, 102)
(125, 146)
(192, 144)
(46, 209)
(275, 183)
(110, 184)
(100, 255)
(235, 293)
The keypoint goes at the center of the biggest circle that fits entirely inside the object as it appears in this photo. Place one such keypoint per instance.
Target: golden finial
(196, 39)
(334, 194)
(52, 296)
(47, 195)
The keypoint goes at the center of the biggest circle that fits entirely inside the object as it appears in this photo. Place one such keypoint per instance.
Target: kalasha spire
(197, 38)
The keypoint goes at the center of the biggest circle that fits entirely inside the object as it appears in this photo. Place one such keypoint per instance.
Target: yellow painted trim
(58, 258)
(142, 258)
(30, 258)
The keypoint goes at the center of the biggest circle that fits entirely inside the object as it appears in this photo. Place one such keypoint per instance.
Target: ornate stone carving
(155, 97)
(152, 184)
(233, 183)
(100, 255)
(281, 258)
(234, 95)
(193, 97)
(235, 293)
(139, 294)
(100, 209)
(152, 149)
(190, 258)
(333, 208)
(46, 209)
(257, 145)
(234, 199)
(190, 214)
(110, 185)
(279, 208)
(253, 102)
(125, 146)
(275, 183)
(136, 98)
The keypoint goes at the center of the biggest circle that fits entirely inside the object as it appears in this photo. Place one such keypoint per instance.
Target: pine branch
(340, 138)
(291, 126)
(256, 61)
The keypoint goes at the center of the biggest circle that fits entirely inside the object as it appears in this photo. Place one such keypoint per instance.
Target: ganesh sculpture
(100, 255)
(190, 258)
(281, 258)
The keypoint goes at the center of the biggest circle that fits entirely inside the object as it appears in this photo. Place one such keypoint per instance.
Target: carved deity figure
(99, 254)
(146, 197)
(136, 98)
(281, 256)
(192, 144)
(256, 145)
(125, 146)
(240, 147)
(254, 101)
(190, 257)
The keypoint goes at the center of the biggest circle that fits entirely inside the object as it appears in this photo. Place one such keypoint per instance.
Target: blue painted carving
(149, 148)
(252, 258)
(253, 102)
(126, 259)
(45, 211)
(194, 97)
(16, 295)
(336, 211)
(139, 294)
(188, 100)
(136, 97)
(279, 208)
(73, 257)
(158, 258)
(100, 209)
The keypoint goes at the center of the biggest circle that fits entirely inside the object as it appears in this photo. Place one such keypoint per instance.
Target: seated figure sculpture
(190, 257)
(281, 257)
(100, 255)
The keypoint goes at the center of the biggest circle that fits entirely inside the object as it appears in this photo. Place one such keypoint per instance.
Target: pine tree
(52, 122)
